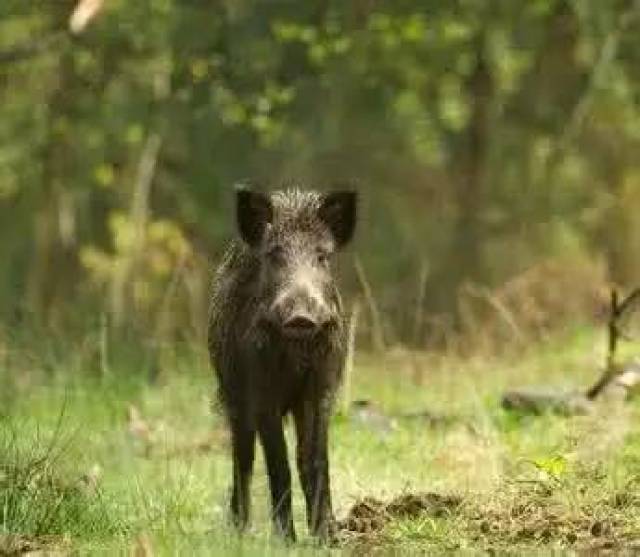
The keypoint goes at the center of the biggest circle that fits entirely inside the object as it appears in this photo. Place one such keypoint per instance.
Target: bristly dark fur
(235, 307)
(263, 376)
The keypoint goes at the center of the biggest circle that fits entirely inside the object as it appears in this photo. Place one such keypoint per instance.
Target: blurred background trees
(495, 146)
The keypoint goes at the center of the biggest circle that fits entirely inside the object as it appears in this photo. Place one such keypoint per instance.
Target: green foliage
(473, 129)
(554, 466)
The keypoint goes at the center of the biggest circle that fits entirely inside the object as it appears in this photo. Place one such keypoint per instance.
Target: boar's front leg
(312, 423)
(243, 447)
(275, 453)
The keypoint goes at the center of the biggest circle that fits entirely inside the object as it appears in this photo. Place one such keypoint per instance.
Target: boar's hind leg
(275, 453)
(243, 441)
(313, 466)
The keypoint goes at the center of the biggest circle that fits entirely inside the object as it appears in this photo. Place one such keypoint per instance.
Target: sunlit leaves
(453, 106)
(395, 30)
(321, 44)
(509, 62)
(554, 466)
(260, 111)
(134, 134)
(147, 258)
(425, 138)
(104, 174)
(456, 30)
(199, 69)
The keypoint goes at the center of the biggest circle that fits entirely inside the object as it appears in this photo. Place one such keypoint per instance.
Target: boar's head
(293, 236)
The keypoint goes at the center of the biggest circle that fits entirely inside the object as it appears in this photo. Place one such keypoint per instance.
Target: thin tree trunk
(54, 259)
(465, 257)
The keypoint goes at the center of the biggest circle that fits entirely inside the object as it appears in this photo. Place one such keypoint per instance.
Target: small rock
(366, 412)
(541, 400)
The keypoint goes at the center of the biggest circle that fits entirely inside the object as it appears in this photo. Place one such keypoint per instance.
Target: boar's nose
(300, 324)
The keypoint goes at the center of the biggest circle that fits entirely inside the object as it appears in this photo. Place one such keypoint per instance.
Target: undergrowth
(126, 460)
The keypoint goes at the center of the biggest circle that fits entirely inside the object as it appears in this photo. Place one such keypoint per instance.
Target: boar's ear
(338, 211)
(253, 212)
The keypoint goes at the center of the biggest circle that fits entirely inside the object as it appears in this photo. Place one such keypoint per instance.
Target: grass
(113, 463)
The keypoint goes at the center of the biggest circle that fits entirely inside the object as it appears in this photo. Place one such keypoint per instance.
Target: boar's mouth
(301, 326)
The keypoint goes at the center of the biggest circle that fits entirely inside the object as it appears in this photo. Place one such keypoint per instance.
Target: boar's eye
(275, 255)
(322, 257)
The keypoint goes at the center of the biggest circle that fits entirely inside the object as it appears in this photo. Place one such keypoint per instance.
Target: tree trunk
(50, 279)
(465, 257)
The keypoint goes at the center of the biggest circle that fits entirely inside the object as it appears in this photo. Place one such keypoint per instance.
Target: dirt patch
(539, 523)
(524, 522)
(368, 516)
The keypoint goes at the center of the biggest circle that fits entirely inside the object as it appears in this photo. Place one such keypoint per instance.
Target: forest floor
(115, 464)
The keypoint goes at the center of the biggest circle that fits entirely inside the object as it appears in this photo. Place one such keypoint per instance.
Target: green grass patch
(116, 463)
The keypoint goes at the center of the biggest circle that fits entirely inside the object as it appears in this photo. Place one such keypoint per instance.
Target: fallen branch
(617, 311)
(623, 377)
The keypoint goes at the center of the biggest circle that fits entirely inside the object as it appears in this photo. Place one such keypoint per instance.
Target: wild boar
(277, 341)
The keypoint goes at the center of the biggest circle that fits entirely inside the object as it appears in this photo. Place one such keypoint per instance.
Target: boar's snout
(302, 312)
(301, 322)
